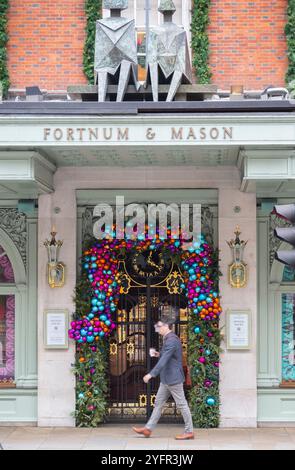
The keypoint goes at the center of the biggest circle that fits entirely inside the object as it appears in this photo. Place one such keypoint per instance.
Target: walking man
(172, 377)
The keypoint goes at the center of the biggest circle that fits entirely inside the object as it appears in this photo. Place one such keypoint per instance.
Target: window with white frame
(7, 321)
(288, 339)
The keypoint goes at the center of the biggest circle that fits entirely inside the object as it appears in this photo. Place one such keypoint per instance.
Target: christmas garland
(93, 13)
(290, 36)
(89, 369)
(200, 40)
(4, 75)
(97, 296)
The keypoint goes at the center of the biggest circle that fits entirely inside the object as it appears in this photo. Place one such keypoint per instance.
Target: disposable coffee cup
(152, 352)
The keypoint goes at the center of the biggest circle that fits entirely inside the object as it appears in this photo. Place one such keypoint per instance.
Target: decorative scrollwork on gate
(125, 283)
(113, 349)
(130, 349)
(143, 400)
(173, 282)
(153, 399)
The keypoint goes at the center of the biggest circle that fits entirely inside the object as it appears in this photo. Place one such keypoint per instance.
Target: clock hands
(151, 263)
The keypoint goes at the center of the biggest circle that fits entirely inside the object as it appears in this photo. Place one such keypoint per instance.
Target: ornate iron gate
(143, 292)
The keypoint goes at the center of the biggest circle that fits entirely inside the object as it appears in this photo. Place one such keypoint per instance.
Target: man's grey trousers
(162, 396)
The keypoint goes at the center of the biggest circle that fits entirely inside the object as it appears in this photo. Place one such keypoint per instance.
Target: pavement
(121, 437)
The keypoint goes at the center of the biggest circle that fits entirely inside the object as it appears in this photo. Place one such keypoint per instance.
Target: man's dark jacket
(170, 365)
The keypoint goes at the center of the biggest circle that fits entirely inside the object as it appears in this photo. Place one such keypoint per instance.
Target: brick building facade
(247, 43)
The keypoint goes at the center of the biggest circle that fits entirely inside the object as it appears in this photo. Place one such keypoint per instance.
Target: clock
(148, 264)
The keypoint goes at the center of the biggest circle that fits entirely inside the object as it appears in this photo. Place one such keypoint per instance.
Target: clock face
(148, 264)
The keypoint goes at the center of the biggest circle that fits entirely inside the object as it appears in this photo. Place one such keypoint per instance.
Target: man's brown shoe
(186, 435)
(144, 431)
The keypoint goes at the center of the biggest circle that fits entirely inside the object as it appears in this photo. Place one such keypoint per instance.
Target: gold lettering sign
(119, 134)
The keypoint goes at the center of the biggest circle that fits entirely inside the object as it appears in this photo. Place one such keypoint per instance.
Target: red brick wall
(247, 43)
(46, 40)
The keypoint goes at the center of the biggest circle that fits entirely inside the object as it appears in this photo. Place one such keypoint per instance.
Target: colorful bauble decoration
(101, 265)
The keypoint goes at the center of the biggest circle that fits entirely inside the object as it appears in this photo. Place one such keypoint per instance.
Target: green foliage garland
(4, 75)
(93, 13)
(200, 40)
(290, 36)
(205, 376)
(89, 369)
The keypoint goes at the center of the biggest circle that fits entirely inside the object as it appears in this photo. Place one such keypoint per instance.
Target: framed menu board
(56, 325)
(238, 328)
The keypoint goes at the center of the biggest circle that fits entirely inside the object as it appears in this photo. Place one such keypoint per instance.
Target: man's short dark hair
(167, 321)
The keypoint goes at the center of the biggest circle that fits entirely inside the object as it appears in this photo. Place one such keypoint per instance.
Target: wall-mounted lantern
(55, 268)
(237, 270)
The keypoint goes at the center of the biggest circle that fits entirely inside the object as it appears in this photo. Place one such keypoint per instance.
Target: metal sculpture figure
(115, 50)
(167, 54)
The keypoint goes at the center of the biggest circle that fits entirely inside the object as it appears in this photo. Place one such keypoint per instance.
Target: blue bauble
(208, 352)
(103, 318)
(101, 334)
(83, 332)
(202, 297)
(191, 271)
(81, 395)
(197, 329)
(86, 266)
(90, 339)
(93, 258)
(101, 308)
(94, 301)
(210, 401)
(94, 309)
(90, 316)
(107, 322)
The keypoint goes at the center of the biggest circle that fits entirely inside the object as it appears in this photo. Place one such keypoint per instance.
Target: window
(288, 339)
(288, 274)
(7, 322)
(136, 10)
(6, 271)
